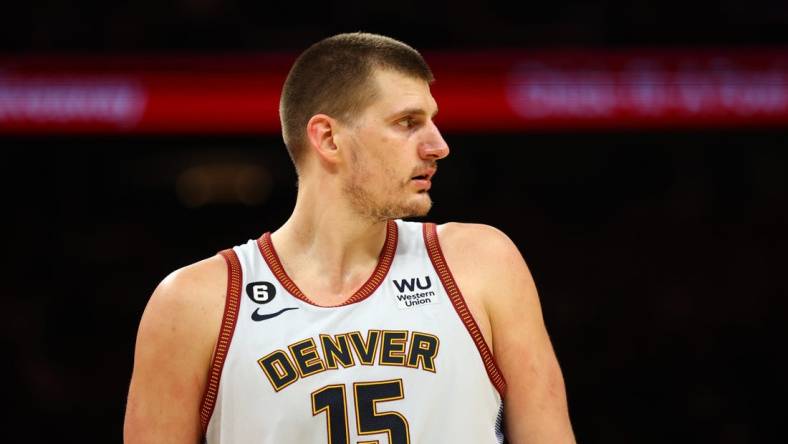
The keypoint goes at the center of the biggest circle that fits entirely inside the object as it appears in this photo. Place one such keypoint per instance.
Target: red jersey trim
(381, 270)
(230, 318)
(439, 262)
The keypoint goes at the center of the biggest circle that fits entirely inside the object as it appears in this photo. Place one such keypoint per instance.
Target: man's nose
(433, 147)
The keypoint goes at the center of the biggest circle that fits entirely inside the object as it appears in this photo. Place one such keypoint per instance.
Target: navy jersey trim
(458, 301)
(229, 320)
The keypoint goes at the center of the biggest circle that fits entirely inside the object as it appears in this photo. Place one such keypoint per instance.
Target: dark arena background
(635, 151)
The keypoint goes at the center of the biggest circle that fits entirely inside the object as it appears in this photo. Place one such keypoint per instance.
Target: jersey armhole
(458, 301)
(229, 319)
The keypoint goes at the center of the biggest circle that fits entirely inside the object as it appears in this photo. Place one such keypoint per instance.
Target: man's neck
(326, 241)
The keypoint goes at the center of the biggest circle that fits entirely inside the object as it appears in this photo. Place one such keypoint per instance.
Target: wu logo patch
(402, 284)
(414, 291)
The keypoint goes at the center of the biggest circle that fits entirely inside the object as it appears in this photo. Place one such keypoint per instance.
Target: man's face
(392, 149)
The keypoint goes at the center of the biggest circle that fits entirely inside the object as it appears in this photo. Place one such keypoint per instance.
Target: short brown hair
(333, 77)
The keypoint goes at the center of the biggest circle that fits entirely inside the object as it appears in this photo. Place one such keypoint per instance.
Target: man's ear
(320, 133)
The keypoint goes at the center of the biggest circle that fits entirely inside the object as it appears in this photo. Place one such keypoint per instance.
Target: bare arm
(501, 294)
(172, 357)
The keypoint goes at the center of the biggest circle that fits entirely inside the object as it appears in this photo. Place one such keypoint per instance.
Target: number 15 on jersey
(369, 420)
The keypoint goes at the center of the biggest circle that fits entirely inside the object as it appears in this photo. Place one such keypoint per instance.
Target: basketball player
(347, 324)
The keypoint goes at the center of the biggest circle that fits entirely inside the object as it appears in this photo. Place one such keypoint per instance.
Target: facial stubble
(391, 203)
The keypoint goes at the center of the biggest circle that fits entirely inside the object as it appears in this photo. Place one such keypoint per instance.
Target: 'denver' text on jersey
(310, 356)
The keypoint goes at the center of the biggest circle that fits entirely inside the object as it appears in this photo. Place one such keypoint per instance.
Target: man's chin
(420, 208)
(417, 207)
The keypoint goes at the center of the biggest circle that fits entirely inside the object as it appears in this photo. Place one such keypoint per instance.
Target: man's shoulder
(206, 274)
(479, 254)
(192, 291)
(475, 239)
(489, 270)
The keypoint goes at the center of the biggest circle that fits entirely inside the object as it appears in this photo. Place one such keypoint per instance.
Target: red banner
(476, 92)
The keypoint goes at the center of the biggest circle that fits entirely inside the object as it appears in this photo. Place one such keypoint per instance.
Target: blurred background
(635, 151)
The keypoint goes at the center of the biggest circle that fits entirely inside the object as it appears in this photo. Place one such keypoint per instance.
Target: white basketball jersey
(401, 361)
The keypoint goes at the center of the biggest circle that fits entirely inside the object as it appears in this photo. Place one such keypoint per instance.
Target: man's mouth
(422, 181)
(425, 174)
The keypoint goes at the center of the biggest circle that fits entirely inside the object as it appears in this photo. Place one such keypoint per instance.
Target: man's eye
(407, 123)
